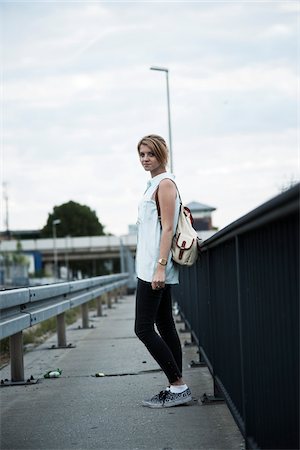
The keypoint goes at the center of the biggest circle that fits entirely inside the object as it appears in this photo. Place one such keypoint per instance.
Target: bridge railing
(22, 308)
(241, 303)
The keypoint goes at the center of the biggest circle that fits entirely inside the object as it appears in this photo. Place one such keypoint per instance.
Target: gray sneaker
(166, 399)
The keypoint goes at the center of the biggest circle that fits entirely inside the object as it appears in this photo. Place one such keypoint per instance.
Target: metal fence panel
(12, 325)
(24, 307)
(225, 353)
(241, 301)
(13, 297)
(269, 258)
(38, 293)
(46, 312)
(204, 330)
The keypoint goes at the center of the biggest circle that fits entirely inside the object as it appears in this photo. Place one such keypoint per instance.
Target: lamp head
(161, 69)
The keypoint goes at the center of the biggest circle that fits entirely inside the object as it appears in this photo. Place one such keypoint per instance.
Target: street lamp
(54, 223)
(67, 255)
(163, 69)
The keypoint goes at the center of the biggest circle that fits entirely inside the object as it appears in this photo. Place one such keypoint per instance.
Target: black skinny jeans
(155, 307)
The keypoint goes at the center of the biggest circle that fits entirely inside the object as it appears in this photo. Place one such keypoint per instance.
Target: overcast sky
(77, 95)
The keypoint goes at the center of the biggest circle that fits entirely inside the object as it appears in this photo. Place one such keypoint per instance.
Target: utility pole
(5, 198)
(166, 71)
(54, 223)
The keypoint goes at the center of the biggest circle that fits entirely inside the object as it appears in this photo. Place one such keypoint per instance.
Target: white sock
(178, 389)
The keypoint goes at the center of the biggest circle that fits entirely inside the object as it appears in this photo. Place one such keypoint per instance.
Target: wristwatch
(162, 261)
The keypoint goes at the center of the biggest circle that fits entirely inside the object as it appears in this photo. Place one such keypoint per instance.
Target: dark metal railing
(241, 303)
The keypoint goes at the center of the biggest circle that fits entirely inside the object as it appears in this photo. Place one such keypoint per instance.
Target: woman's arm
(166, 197)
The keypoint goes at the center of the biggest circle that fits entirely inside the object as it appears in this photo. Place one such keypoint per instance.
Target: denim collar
(159, 177)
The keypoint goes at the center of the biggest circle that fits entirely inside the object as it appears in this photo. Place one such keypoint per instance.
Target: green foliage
(38, 274)
(93, 268)
(76, 220)
(4, 345)
(15, 258)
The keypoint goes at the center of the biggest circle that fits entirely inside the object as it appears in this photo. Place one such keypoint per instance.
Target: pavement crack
(111, 375)
(126, 374)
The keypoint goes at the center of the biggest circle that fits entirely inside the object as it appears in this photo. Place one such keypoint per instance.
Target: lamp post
(163, 69)
(122, 256)
(54, 223)
(67, 255)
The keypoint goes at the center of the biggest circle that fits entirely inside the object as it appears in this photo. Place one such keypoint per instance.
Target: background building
(202, 216)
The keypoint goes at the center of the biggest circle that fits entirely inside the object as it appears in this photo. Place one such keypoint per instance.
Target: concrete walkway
(81, 411)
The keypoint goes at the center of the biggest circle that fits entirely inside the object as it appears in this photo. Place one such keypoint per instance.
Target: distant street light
(163, 69)
(54, 223)
(67, 255)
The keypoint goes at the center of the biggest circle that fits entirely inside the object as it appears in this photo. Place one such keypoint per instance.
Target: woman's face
(148, 159)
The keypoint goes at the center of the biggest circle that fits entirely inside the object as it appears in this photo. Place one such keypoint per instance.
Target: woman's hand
(159, 278)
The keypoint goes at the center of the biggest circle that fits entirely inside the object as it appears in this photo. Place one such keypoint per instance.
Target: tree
(76, 220)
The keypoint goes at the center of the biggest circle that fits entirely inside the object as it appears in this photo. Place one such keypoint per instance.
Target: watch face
(162, 261)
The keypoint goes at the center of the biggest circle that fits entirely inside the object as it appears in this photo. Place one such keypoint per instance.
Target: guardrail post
(99, 306)
(115, 293)
(16, 356)
(108, 300)
(61, 330)
(85, 315)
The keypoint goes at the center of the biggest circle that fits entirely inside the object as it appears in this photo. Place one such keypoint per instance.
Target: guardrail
(22, 308)
(241, 303)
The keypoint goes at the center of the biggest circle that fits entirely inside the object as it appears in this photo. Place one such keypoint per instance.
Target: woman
(156, 272)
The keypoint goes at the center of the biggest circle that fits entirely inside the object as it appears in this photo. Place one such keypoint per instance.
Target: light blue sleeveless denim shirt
(149, 234)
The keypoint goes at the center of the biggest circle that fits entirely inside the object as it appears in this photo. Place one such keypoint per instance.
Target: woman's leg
(166, 326)
(148, 303)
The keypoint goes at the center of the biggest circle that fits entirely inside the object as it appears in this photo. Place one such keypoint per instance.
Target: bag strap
(157, 201)
(157, 204)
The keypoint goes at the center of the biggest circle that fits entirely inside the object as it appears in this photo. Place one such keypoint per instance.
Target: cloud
(78, 95)
(277, 30)
(289, 6)
(236, 173)
(233, 173)
(56, 91)
(267, 76)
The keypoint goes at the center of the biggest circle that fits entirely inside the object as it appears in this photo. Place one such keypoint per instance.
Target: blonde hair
(158, 145)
